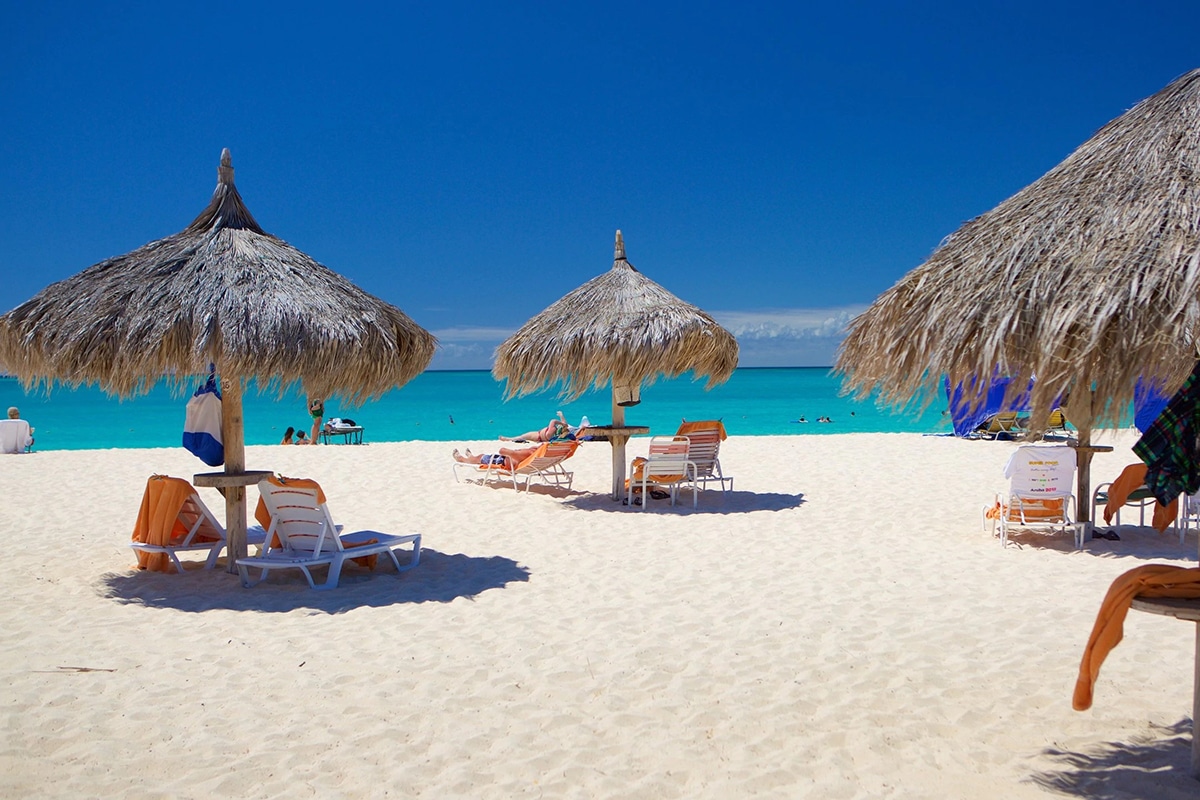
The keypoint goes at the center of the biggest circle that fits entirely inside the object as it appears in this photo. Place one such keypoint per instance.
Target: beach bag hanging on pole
(202, 423)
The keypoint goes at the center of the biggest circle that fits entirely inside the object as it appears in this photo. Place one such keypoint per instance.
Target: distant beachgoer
(16, 435)
(802, 419)
(316, 408)
(555, 430)
(301, 438)
(507, 457)
(287, 435)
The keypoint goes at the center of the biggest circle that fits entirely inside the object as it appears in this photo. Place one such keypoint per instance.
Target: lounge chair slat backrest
(668, 457)
(302, 523)
(704, 452)
(546, 456)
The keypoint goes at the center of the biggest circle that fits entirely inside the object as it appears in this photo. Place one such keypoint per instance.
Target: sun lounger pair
(544, 464)
(299, 534)
(690, 456)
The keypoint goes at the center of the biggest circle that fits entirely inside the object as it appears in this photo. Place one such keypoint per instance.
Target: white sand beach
(839, 627)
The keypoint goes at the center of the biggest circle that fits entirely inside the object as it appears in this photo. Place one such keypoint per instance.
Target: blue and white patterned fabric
(202, 424)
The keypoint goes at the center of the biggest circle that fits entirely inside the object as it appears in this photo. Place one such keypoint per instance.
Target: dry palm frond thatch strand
(224, 292)
(1088, 279)
(620, 328)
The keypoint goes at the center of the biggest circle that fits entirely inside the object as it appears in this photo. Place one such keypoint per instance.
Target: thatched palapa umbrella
(620, 328)
(225, 292)
(1088, 279)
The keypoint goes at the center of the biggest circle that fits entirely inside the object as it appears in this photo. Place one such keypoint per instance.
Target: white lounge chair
(192, 528)
(1040, 493)
(666, 465)
(704, 448)
(302, 535)
(544, 464)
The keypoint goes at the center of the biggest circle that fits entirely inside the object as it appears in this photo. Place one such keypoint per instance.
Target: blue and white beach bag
(202, 424)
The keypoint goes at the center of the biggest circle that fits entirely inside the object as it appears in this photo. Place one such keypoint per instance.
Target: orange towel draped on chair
(1130, 480)
(158, 519)
(1151, 580)
(688, 428)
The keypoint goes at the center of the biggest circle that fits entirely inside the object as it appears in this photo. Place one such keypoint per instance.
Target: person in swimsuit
(555, 430)
(316, 407)
(507, 457)
(287, 435)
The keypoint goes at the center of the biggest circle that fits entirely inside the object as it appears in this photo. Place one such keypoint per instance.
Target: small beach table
(1185, 609)
(232, 486)
(617, 436)
(351, 435)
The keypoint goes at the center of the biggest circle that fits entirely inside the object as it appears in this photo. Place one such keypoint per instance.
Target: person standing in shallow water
(316, 407)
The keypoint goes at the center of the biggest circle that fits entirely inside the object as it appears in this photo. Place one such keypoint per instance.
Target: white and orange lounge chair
(301, 535)
(667, 465)
(173, 519)
(544, 464)
(704, 448)
(1040, 493)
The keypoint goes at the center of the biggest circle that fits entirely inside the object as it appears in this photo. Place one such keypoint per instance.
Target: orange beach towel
(1130, 480)
(158, 519)
(1151, 580)
(688, 428)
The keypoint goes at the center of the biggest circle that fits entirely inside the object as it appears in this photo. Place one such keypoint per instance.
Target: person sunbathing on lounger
(507, 457)
(556, 430)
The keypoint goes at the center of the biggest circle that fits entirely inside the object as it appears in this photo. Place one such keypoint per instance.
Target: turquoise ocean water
(453, 406)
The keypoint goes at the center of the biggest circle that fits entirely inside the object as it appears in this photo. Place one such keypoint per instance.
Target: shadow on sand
(710, 502)
(439, 578)
(1135, 543)
(1157, 764)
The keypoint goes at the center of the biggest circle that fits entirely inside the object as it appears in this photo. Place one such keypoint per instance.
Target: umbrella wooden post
(1083, 456)
(233, 437)
(618, 448)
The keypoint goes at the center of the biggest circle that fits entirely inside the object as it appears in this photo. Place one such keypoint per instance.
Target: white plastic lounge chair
(15, 436)
(1189, 514)
(1040, 493)
(545, 464)
(195, 528)
(667, 465)
(302, 535)
(704, 448)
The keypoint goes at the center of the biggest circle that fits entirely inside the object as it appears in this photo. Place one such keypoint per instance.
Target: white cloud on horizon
(788, 323)
(783, 337)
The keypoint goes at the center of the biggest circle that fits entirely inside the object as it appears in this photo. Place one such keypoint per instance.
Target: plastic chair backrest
(302, 524)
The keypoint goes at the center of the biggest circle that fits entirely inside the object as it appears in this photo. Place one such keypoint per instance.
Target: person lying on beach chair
(555, 431)
(507, 457)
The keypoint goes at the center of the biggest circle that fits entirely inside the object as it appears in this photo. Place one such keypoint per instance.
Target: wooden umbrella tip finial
(619, 249)
(225, 171)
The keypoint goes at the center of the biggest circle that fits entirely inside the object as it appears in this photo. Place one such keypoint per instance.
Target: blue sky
(777, 164)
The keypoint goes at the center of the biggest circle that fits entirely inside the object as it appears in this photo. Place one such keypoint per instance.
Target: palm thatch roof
(222, 291)
(620, 327)
(1088, 277)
